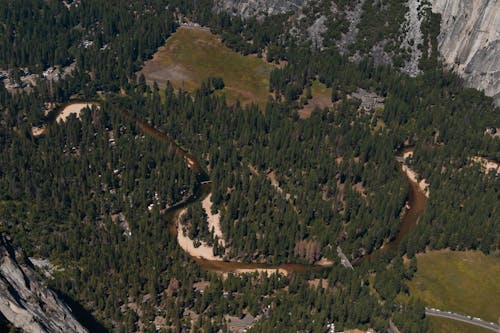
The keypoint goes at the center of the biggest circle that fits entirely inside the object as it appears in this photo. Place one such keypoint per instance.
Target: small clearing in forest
(74, 108)
(192, 55)
(321, 98)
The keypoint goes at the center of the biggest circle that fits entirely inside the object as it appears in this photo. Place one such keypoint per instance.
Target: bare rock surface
(354, 17)
(259, 8)
(413, 36)
(24, 299)
(469, 41)
(316, 31)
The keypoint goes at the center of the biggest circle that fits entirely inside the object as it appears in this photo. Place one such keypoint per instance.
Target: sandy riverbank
(213, 219)
(203, 251)
(74, 108)
(413, 176)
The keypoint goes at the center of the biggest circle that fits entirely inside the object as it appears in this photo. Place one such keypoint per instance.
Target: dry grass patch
(192, 55)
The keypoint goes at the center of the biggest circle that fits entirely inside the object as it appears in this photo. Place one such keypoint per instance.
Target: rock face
(259, 8)
(354, 17)
(469, 41)
(25, 301)
(413, 38)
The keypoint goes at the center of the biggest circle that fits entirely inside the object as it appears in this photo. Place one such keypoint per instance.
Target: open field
(192, 55)
(321, 98)
(462, 282)
(443, 325)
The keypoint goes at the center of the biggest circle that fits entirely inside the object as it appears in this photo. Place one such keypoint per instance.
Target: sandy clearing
(203, 251)
(320, 102)
(324, 262)
(74, 108)
(274, 181)
(213, 219)
(487, 166)
(37, 131)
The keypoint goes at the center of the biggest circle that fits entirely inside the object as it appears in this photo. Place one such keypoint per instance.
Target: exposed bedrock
(247, 8)
(469, 41)
(25, 301)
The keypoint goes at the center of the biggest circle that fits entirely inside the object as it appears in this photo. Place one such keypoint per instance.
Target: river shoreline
(205, 258)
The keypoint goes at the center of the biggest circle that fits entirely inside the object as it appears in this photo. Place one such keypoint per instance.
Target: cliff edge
(24, 299)
(469, 41)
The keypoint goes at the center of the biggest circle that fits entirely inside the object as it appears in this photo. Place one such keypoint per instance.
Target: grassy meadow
(463, 282)
(192, 55)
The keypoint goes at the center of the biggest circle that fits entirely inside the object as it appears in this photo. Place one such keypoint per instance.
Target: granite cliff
(25, 301)
(469, 41)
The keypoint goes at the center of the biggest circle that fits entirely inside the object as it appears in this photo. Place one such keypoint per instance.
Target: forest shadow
(83, 316)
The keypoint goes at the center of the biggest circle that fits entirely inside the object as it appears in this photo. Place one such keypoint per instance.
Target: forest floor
(192, 55)
(464, 282)
(321, 98)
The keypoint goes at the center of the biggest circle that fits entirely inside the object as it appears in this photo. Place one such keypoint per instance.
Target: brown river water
(416, 202)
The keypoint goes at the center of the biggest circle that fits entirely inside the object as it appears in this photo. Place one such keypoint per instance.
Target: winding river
(416, 203)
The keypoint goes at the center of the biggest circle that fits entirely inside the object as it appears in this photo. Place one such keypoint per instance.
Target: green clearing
(321, 98)
(193, 55)
(462, 282)
(320, 89)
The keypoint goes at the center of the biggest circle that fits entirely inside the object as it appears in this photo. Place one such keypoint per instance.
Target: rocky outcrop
(258, 8)
(315, 32)
(413, 37)
(469, 41)
(354, 17)
(24, 299)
